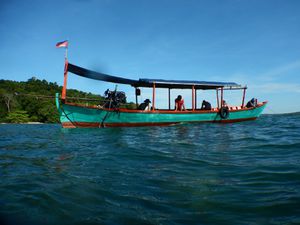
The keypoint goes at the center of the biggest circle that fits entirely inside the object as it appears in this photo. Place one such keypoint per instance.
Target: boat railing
(97, 102)
(100, 103)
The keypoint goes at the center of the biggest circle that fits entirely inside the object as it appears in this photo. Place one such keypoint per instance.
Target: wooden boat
(113, 115)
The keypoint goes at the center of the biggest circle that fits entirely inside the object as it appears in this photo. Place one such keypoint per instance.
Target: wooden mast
(193, 97)
(136, 98)
(153, 97)
(169, 98)
(217, 90)
(221, 97)
(244, 94)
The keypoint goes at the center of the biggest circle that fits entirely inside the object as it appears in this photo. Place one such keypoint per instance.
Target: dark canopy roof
(98, 76)
(185, 84)
(159, 83)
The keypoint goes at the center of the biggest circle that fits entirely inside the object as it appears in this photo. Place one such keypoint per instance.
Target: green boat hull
(72, 116)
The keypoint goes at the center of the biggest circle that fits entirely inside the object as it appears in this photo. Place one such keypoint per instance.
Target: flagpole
(64, 90)
(66, 54)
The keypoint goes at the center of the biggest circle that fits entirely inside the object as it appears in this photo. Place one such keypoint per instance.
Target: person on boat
(179, 103)
(206, 105)
(144, 105)
(224, 104)
(252, 103)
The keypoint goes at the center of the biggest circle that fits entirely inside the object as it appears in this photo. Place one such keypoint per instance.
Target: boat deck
(213, 110)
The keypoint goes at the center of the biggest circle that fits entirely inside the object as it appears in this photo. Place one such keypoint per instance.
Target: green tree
(8, 99)
(48, 113)
(18, 116)
(34, 96)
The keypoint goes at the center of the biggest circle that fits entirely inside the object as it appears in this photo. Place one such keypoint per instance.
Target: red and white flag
(62, 44)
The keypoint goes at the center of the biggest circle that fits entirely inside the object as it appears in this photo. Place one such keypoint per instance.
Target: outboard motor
(114, 99)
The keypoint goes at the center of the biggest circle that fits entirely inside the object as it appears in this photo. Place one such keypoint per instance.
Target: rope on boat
(47, 96)
(73, 98)
(109, 106)
(72, 122)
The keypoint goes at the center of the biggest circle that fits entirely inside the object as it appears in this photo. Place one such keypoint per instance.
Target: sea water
(242, 173)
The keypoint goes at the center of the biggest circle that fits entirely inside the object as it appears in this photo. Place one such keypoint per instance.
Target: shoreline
(25, 123)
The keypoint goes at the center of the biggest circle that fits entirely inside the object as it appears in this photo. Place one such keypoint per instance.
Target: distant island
(33, 100)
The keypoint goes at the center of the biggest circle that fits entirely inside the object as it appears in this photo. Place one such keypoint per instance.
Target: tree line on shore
(33, 100)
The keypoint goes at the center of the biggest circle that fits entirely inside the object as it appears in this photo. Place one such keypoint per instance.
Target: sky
(250, 42)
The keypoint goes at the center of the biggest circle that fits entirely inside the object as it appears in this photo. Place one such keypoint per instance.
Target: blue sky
(251, 42)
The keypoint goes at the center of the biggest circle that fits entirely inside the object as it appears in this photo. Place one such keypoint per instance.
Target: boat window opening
(233, 97)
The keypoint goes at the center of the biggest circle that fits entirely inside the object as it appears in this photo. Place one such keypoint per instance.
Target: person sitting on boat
(224, 104)
(144, 105)
(179, 103)
(252, 103)
(206, 105)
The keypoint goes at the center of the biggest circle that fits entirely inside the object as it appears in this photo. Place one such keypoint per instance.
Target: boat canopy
(185, 84)
(159, 83)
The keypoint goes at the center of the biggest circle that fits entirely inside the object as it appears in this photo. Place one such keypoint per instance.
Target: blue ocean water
(242, 173)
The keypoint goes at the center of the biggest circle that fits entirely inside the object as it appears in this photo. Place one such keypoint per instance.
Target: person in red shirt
(179, 103)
